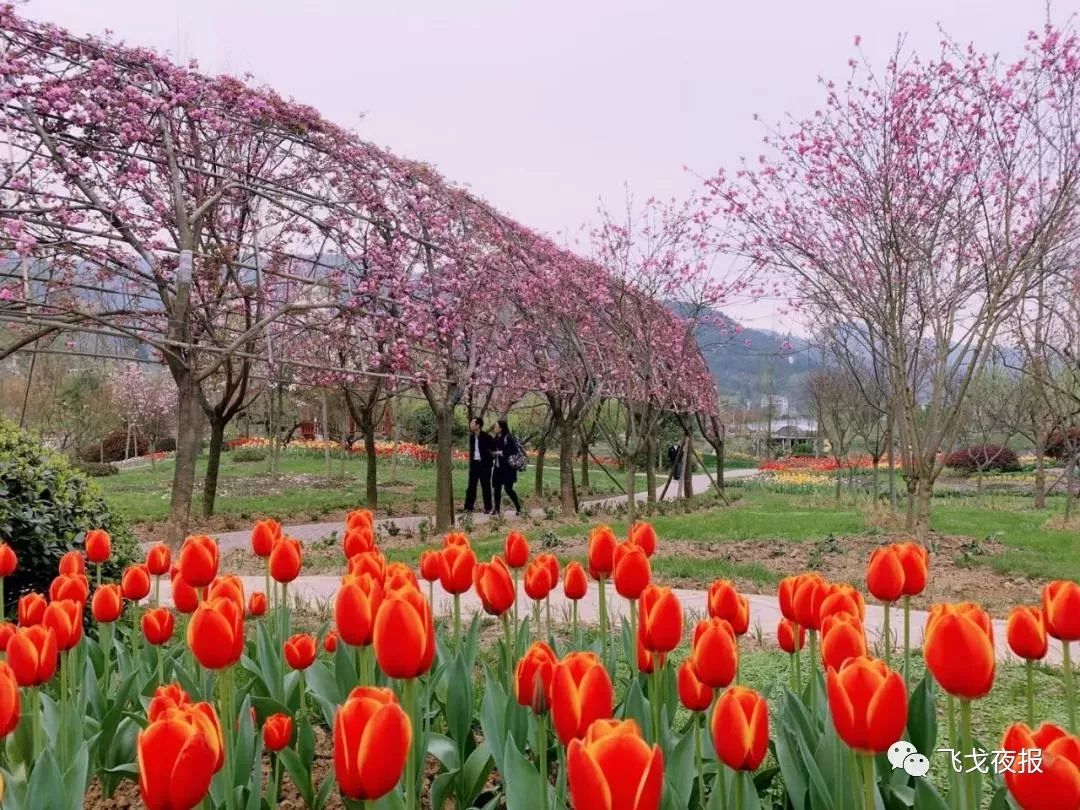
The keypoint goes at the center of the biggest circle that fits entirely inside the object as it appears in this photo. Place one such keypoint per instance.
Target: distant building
(779, 405)
(779, 437)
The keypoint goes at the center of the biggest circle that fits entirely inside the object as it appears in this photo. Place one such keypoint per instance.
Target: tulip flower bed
(216, 701)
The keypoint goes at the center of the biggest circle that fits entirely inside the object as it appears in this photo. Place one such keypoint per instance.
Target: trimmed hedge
(983, 458)
(46, 508)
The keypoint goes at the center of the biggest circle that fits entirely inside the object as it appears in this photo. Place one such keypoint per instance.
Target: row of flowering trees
(190, 700)
(252, 245)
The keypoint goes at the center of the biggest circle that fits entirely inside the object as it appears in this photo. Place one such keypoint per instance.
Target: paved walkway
(308, 532)
(764, 610)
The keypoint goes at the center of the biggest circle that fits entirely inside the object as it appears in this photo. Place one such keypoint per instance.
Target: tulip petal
(588, 787)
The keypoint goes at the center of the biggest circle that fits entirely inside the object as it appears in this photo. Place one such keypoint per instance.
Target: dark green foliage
(95, 470)
(111, 448)
(248, 454)
(46, 507)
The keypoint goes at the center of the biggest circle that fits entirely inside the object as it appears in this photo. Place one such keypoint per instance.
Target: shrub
(96, 470)
(111, 448)
(46, 507)
(248, 454)
(802, 449)
(983, 458)
(165, 444)
(1062, 445)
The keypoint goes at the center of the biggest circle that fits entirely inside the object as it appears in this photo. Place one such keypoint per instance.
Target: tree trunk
(566, 471)
(688, 467)
(719, 465)
(922, 518)
(876, 485)
(326, 437)
(839, 478)
(444, 469)
(187, 452)
(1040, 476)
(213, 464)
(650, 466)
(891, 461)
(584, 465)
(631, 488)
(909, 516)
(538, 477)
(371, 463)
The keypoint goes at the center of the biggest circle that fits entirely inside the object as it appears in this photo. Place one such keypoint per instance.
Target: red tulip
(456, 539)
(1055, 785)
(430, 565)
(135, 583)
(613, 768)
(300, 651)
(661, 619)
(372, 563)
(199, 560)
(810, 592)
(216, 633)
(404, 636)
(842, 599)
(552, 563)
(359, 540)
(728, 604)
(494, 586)
(98, 545)
(227, 587)
(916, 562)
(9, 700)
(185, 597)
(532, 679)
(602, 545)
(646, 663)
(7, 630)
(1026, 633)
(358, 601)
(372, 738)
(785, 593)
(1061, 610)
(538, 582)
(642, 534)
(65, 619)
(330, 641)
(786, 636)
(158, 559)
(715, 653)
(32, 655)
(70, 586)
(958, 646)
(740, 728)
(360, 517)
(575, 582)
(72, 562)
(8, 560)
(286, 559)
(631, 571)
(167, 696)
(455, 573)
(257, 604)
(31, 609)
(263, 535)
(277, 732)
(868, 703)
(842, 637)
(157, 625)
(178, 755)
(693, 694)
(581, 692)
(885, 574)
(516, 550)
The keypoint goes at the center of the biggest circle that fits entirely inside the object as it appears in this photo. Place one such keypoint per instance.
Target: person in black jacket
(505, 475)
(481, 458)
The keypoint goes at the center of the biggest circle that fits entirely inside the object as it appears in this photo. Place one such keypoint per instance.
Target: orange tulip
(330, 641)
(457, 563)
(693, 694)
(199, 560)
(885, 574)
(646, 663)
(263, 535)
(532, 679)
(724, 602)
(642, 534)
(789, 640)
(785, 593)
(958, 646)
(1056, 784)
(7, 630)
(399, 575)
(404, 636)
(64, 618)
(516, 550)
(8, 560)
(358, 540)
(494, 586)
(227, 587)
(277, 732)
(842, 637)
(372, 737)
(135, 583)
(72, 562)
(98, 545)
(31, 609)
(177, 757)
(216, 633)
(108, 604)
(868, 703)
(916, 562)
(257, 604)
(430, 565)
(581, 692)
(842, 599)
(167, 696)
(300, 651)
(602, 545)
(372, 563)
(456, 539)
(286, 559)
(575, 582)
(360, 517)
(9, 700)
(715, 653)
(185, 597)
(1061, 610)
(157, 625)
(32, 655)
(631, 571)
(613, 768)
(357, 602)
(740, 728)
(70, 586)
(810, 592)
(538, 582)
(661, 619)
(1026, 633)
(158, 559)
(552, 563)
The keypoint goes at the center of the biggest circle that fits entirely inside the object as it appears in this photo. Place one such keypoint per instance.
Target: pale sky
(545, 108)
